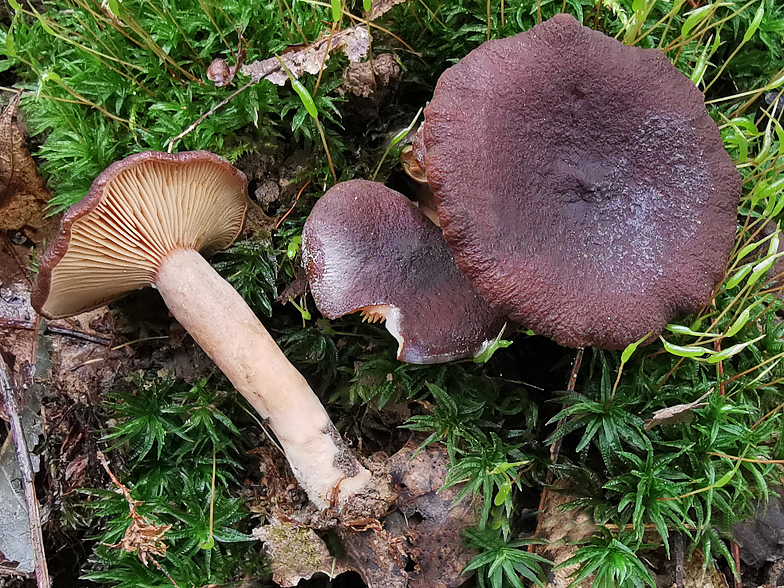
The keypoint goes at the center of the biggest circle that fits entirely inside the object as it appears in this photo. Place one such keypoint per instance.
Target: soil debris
(432, 523)
(417, 545)
(694, 576)
(372, 78)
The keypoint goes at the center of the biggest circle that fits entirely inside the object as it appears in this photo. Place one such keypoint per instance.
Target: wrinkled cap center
(587, 182)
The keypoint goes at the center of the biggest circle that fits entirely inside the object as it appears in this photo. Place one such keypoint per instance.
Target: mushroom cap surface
(581, 183)
(366, 246)
(137, 211)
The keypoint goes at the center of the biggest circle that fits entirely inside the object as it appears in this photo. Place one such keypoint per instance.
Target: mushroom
(143, 223)
(581, 184)
(367, 248)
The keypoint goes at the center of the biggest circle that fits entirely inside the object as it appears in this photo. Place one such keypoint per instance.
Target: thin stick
(364, 21)
(736, 559)
(78, 335)
(555, 448)
(288, 212)
(746, 459)
(326, 148)
(31, 326)
(296, 24)
(488, 20)
(324, 58)
(283, 22)
(680, 568)
(121, 346)
(221, 104)
(26, 468)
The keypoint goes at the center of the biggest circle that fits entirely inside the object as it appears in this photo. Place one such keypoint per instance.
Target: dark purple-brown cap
(136, 212)
(368, 248)
(581, 183)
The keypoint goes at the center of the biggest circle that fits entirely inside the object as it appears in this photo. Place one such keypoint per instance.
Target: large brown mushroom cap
(137, 212)
(368, 248)
(581, 183)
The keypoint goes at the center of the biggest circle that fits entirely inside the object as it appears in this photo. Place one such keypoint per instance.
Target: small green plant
(613, 560)
(105, 80)
(504, 563)
(182, 477)
(608, 418)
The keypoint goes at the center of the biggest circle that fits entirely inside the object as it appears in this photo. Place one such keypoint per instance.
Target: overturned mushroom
(581, 183)
(368, 249)
(142, 223)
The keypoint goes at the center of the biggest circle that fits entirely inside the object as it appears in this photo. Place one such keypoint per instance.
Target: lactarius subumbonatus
(143, 223)
(581, 183)
(368, 249)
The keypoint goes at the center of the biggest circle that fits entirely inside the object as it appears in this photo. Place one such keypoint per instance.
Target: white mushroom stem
(224, 326)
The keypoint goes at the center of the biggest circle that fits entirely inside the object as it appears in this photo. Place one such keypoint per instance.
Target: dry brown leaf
(353, 41)
(23, 194)
(143, 537)
(382, 6)
(372, 78)
(673, 415)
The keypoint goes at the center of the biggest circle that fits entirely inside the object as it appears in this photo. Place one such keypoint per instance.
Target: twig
(115, 348)
(6, 323)
(31, 326)
(173, 141)
(555, 448)
(301, 190)
(680, 568)
(79, 335)
(736, 558)
(26, 468)
(745, 459)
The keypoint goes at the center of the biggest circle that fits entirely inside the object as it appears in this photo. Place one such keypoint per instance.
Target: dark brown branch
(30, 326)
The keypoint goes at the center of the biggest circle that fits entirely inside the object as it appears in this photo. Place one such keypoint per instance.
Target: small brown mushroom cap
(138, 211)
(368, 248)
(581, 183)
